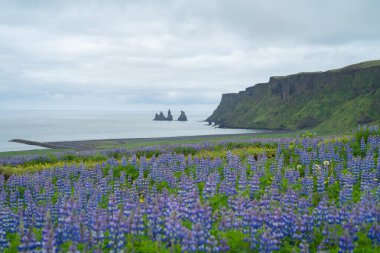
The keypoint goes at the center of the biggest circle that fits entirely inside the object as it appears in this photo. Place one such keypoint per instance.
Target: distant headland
(162, 117)
(329, 101)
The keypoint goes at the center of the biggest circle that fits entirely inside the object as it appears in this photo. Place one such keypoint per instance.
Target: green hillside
(335, 100)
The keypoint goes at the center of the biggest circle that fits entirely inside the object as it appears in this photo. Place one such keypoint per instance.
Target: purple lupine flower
(237, 204)
(212, 245)
(351, 229)
(202, 214)
(343, 214)
(298, 229)
(268, 242)
(346, 243)
(73, 248)
(345, 195)
(292, 175)
(188, 243)
(173, 230)
(210, 187)
(277, 224)
(307, 186)
(252, 163)
(320, 212)
(40, 217)
(366, 180)
(242, 179)
(48, 239)
(304, 247)
(97, 226)
(307, 227)
(224, 245)
(3, 239)
(362, 144)
(199, 236)
(320, 184)
(116, 238)
(254, 185)
(374, 234)
(136, 221)
(290, 200)
(333, 215)
(28, 242)
(226, 221)
(254, 222)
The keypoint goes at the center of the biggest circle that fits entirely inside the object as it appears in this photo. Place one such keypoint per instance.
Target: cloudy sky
(145, 55)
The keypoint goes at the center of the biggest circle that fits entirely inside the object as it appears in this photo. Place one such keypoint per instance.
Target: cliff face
(331, 100)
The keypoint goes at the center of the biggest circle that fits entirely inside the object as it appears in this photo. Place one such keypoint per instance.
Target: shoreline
(93, 144)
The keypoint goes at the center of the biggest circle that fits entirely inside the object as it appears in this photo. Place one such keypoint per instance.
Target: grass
(31, 152)
(366, 64)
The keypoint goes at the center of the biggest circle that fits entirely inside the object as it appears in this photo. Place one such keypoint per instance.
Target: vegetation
(294, 194)
(332, 101)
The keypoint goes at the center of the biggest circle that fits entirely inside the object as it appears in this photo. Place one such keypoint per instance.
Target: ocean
(90, 125)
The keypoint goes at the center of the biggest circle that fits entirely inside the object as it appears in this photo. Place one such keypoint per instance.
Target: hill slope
(338, 99)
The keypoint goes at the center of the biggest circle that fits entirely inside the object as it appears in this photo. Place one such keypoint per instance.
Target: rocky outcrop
(182, 117)
(337, 99)
(170, 116)
(161, 116)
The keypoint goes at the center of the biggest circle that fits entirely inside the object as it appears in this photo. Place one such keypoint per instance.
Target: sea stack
(182, 117)
(161, 116)
(170, 116)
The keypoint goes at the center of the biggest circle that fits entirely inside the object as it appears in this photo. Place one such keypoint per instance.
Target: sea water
(45, 126)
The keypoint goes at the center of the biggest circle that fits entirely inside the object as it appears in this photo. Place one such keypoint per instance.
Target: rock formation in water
(161, 116)
(182, 117)
(170, 116)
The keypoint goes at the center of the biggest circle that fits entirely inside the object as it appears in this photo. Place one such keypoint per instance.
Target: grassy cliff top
(361, 65)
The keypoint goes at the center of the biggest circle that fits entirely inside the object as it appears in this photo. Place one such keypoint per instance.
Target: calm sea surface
(88, 125)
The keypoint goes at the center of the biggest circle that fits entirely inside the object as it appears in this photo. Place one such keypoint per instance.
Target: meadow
(286, 194)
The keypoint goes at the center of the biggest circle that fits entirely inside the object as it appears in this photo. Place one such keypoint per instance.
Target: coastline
(99, 143)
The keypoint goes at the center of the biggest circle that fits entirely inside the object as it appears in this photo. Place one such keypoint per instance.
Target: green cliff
(335, 100)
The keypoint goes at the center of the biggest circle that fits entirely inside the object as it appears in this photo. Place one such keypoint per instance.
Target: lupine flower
(136, 221)
(188, 243)
(48, 240)
(223, 245)
(254, 185)
(3, 239)
(268, 242)
(212, 245)
(346, 244)
(28, 242)
(173, 230)
(304, 247)
(374, 234)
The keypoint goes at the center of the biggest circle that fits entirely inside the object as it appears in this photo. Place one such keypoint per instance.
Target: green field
(273, 192)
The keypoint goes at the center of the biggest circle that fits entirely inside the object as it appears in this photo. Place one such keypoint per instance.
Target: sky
(154, 55)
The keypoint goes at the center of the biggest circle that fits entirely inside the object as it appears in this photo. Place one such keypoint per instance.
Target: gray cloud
(97, 54)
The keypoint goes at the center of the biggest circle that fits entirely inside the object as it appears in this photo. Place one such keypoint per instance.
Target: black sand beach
(95, 144)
